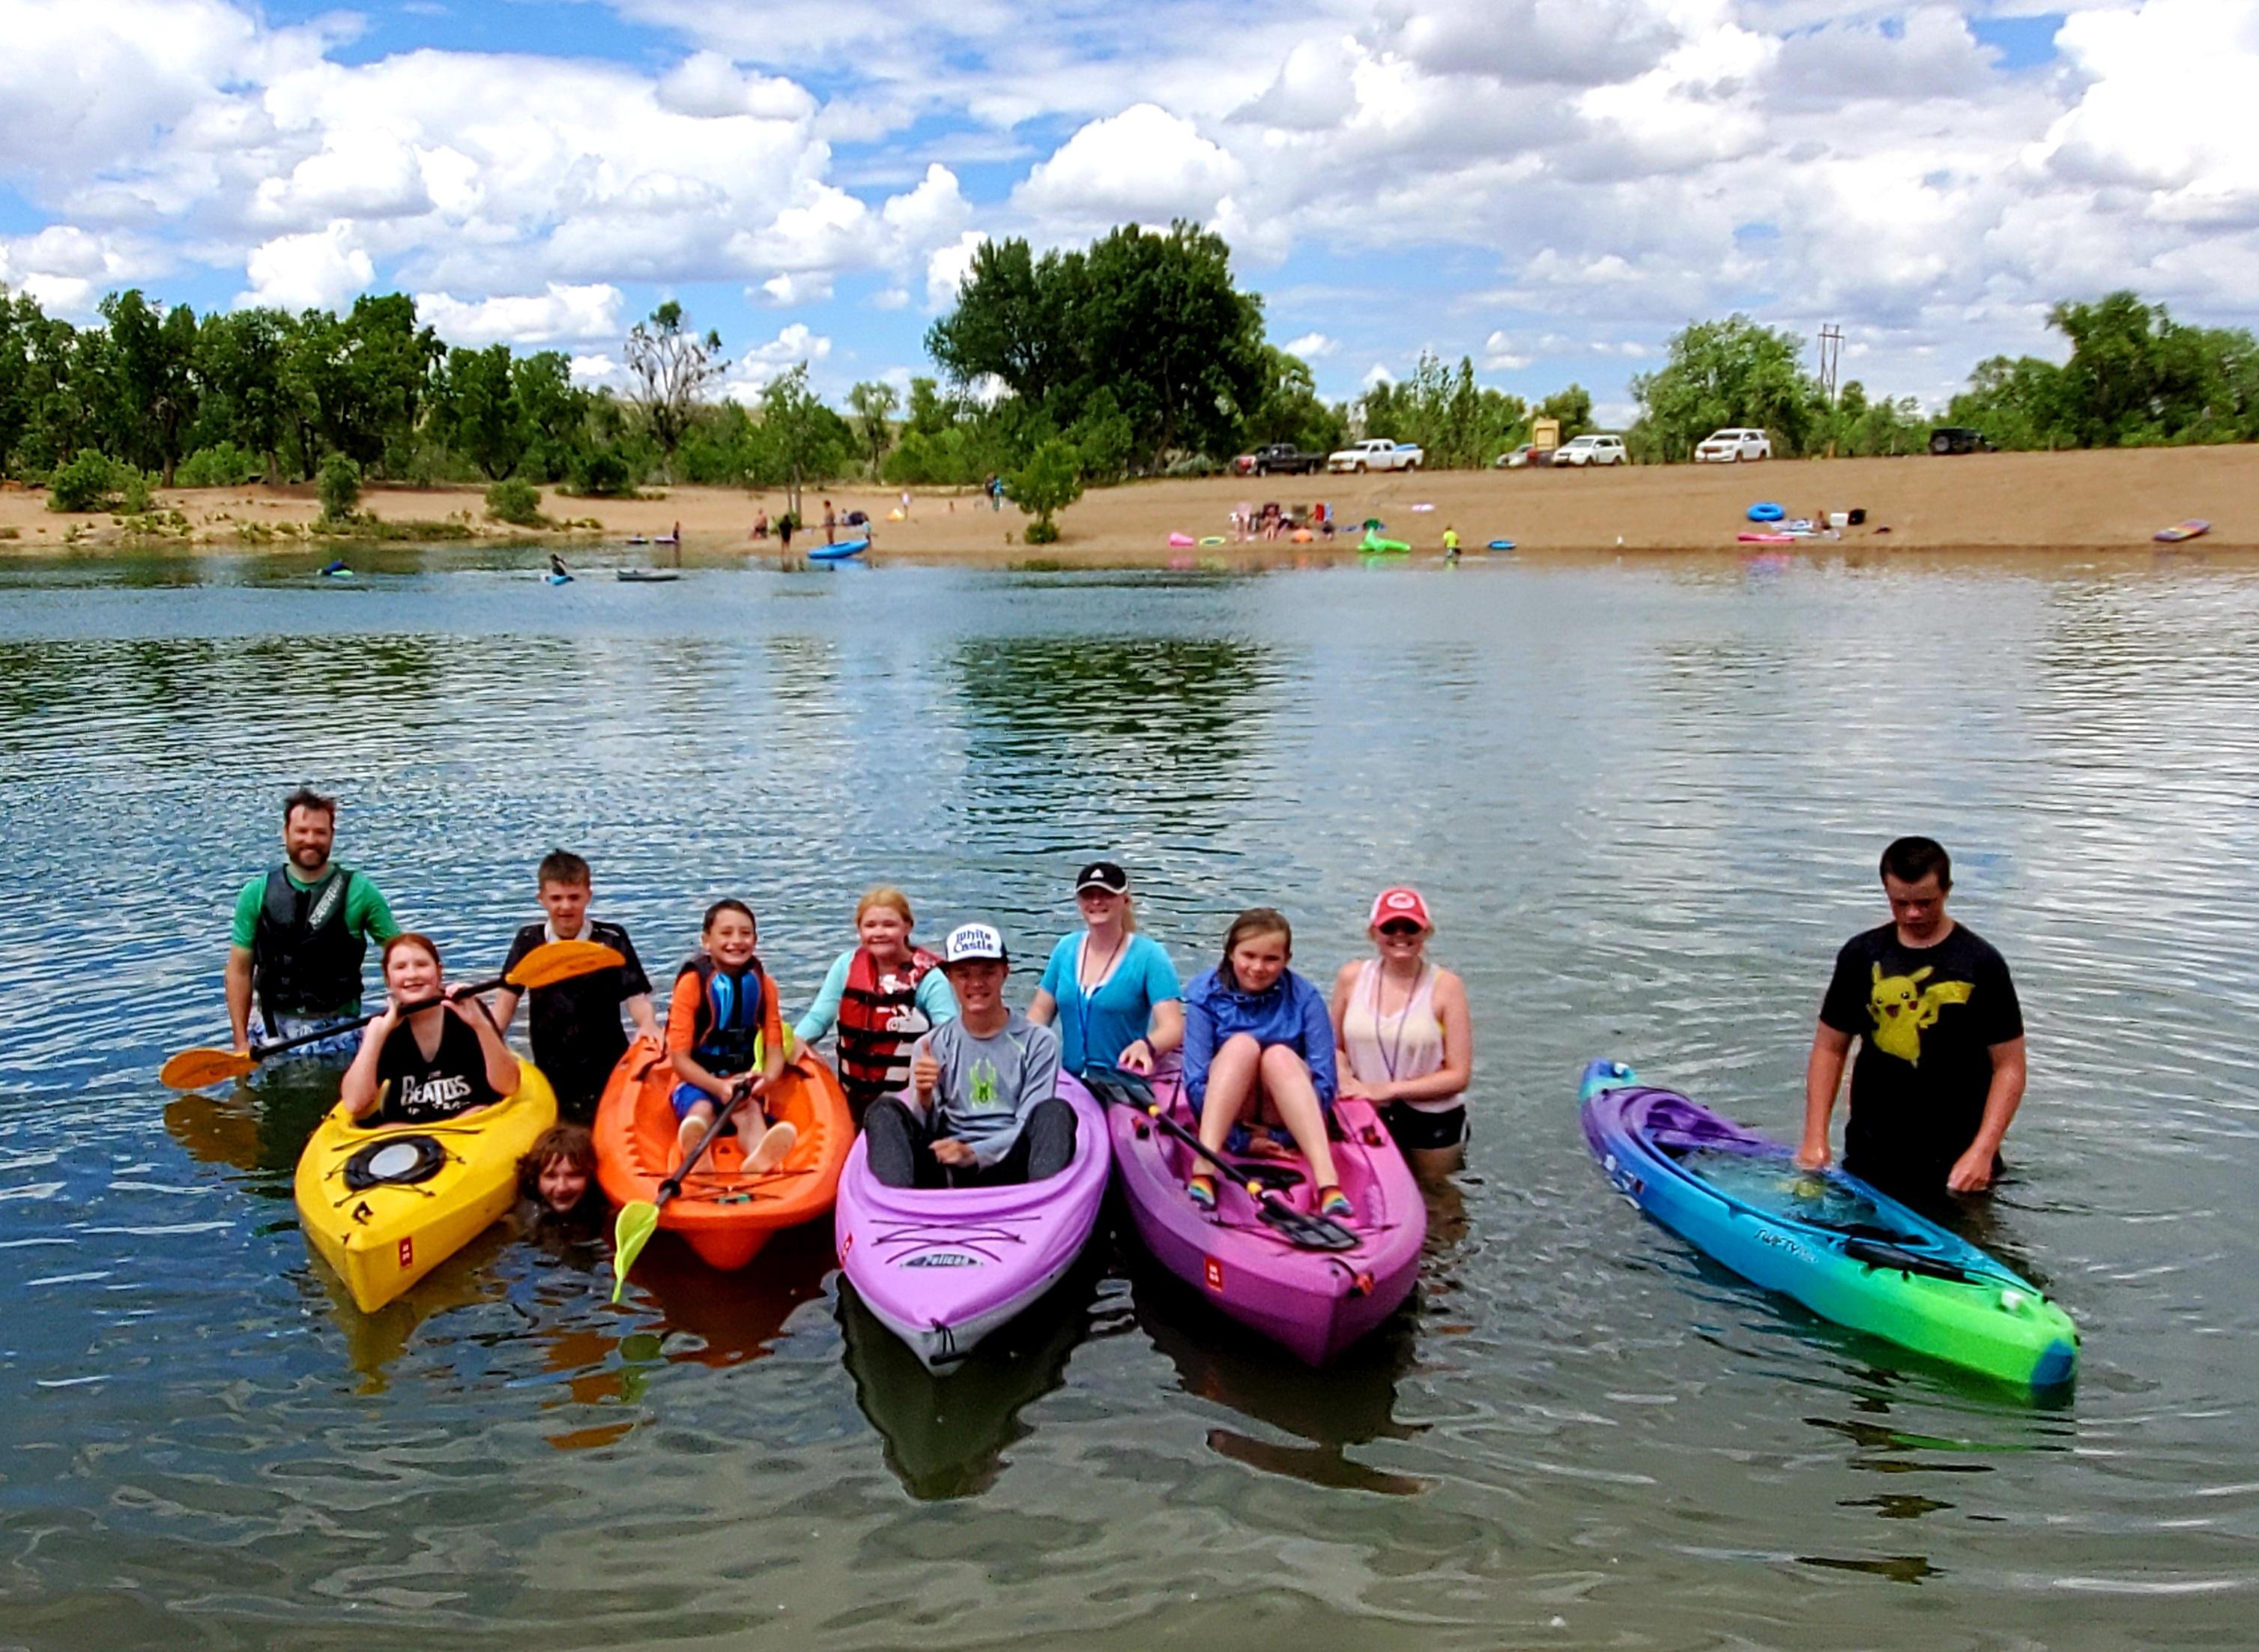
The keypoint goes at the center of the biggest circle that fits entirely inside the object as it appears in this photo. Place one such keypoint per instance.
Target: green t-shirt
(366, 914)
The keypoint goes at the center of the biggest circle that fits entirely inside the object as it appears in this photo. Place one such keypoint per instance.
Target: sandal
(769, 1152)
(1200, 1190)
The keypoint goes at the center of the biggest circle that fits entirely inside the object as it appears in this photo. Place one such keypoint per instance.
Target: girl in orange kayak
(722, 1033)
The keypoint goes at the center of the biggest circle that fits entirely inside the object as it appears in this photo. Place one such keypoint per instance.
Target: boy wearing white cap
(983, 1108)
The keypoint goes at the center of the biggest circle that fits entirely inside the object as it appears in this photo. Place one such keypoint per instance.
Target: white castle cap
(969, 941)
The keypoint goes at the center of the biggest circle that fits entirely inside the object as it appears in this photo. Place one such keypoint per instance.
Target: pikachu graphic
(1902, 1006)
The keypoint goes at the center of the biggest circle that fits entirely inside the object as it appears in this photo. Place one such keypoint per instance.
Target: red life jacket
(878, 1024)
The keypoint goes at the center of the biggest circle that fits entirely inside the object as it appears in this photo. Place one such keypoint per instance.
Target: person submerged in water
(984, 1108)
(1941, 1066)
(434, 1054)
(557, 1178)
(724, 1034)
(1259, 1052)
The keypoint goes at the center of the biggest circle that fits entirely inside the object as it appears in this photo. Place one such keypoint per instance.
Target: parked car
(1959, 439)
(1521, 458)
(1580, 451)
(1278, 459)
(1378, 453)
(1732, 445)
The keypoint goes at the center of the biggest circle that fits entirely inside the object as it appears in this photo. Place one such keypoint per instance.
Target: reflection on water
(1644, 801)
(946, 1435)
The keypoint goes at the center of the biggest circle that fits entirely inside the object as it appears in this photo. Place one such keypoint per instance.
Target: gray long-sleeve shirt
(989, 1086)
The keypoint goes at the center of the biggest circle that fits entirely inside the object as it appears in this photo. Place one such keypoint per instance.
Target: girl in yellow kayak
(440, 1061)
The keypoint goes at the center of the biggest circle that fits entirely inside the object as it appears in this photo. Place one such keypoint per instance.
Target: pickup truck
(1280, 458)
(1376, 454)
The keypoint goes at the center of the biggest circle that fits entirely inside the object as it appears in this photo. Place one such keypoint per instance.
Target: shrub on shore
(94, 482)
(517, 503)
(340, 488)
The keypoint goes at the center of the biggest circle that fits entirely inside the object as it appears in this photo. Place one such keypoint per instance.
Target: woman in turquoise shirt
(1112, 992)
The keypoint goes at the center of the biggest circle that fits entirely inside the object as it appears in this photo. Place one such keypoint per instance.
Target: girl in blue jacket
(1258, 1048)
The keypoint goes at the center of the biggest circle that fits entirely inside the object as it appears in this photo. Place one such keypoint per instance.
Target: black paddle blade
(1311, 1233)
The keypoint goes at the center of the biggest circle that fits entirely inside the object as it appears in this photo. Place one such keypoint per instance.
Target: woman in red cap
(1404, 1039)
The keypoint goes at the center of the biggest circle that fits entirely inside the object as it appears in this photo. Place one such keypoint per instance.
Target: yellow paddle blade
(637, 1222)
(564, 961)
(194, 1069)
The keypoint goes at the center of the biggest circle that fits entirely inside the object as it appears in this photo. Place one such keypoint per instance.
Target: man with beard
(301, 932)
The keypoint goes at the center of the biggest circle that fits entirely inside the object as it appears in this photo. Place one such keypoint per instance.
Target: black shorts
(1416, 1131)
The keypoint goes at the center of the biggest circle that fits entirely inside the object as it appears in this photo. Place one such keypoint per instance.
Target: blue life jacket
(727, 1035)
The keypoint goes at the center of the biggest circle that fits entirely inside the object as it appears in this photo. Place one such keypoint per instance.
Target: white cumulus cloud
(1143, 165)
(562, 314)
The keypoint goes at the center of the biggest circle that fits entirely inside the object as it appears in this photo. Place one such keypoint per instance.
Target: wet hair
(885, 894)
(1254, 922)
(706, 926)
(408, 937)
(562, 866)
(1911, 860)
(572, 1143)
(307, 797)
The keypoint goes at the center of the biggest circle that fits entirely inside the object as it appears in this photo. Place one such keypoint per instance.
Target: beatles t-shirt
(424, 1090)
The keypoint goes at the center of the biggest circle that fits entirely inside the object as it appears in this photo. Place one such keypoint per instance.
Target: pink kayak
(1315, 1301)
(942, 1268)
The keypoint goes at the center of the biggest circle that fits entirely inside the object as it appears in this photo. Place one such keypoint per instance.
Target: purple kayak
(1315, 1302)
(941, 1267)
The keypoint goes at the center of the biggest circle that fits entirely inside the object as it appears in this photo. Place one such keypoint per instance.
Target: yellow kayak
(385, 1206)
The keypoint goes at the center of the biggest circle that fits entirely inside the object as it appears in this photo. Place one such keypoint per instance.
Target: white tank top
(1408, 1045)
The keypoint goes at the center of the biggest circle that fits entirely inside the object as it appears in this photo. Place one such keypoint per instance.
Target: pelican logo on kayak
(1212, 1271)
(942, 1259)
(407, 1253)
(1782, 1242)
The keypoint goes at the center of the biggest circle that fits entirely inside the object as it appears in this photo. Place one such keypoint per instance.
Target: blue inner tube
(1501, 544)
(1766, 511)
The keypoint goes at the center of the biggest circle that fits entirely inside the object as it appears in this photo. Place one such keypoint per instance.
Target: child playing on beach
(575, 1025)
(1259, 1049)
(556, 1176)
(723, 1033)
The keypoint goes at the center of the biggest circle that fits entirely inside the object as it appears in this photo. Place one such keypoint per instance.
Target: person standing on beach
(906, 504)
(301, 933)
(786, 523)
(761, 526)
(830, 523)
(1940, 1064)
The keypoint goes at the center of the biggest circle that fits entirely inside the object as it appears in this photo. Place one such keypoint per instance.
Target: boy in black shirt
(1941, 1067)
(575, 1025)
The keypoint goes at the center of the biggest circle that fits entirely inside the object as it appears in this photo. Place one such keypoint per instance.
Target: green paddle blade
(637, 1222)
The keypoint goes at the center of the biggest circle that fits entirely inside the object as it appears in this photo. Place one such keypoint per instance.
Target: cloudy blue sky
(1552, 187)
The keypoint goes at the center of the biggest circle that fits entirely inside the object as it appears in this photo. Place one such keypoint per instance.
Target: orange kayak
(726, 1216)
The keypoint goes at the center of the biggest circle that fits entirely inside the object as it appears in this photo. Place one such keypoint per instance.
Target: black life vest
(304, 961)
(726, 1038)
(878, 1023)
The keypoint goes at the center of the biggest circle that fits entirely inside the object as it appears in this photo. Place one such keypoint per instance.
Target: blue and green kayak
(1845, 1251)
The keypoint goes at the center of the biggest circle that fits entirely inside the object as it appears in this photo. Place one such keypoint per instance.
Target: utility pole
(1831, 358)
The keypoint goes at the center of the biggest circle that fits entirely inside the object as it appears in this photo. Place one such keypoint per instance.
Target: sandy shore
(2060, 502)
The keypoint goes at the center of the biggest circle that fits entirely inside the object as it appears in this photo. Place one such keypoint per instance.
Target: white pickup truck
(1377, 455)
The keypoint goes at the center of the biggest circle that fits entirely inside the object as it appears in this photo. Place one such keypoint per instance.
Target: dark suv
(1958, 438)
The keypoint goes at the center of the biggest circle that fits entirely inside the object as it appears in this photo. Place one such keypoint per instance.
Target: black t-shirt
(1927, 1019)
(424, 1091)
(577, 1039)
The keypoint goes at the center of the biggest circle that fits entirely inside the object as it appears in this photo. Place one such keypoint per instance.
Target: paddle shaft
(1128, 1083)
(672, 1185)
(261, 1051)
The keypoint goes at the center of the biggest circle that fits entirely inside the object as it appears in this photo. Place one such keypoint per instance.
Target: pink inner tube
(1315, 1303)
(942, 1268)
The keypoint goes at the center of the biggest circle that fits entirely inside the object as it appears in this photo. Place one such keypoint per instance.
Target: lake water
(1644, 800)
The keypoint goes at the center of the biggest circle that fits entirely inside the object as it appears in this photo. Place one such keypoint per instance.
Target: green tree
(800, 439)
(1153, 320)
(340, 488)
(475, 410)
(673, 366)
(1728, 373)
(1288, 409)
(1573, 407)
(242, 361)
(1048, 483)
(151, 395)
(362, 379)
(873, 404)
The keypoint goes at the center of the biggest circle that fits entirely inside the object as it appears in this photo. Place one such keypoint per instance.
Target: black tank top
(424, 1091)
